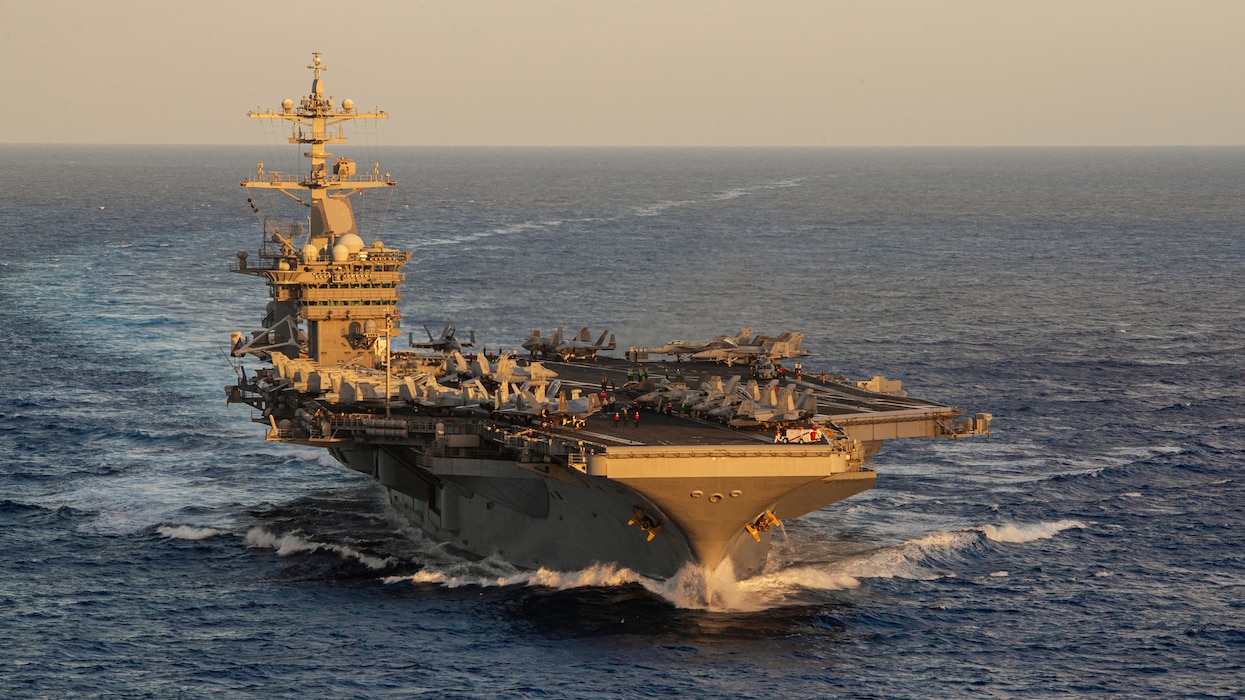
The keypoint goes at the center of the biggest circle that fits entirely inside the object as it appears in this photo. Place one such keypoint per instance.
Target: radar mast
(344, 292)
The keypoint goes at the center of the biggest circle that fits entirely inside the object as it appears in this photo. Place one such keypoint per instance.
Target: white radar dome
(287, 104)
(348, 104)
(352, 242)
(310, 253)
(340, 253)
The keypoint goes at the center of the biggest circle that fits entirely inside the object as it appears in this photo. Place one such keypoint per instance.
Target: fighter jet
(507, 370)
(776, 409)
(714, 391)
(573, 412)
(538, 347)
(580, 346)
(426, 391)
(787, 347)
(445, 343)
(663, 393)
(683, 348)
(680, 348)
(730, 351)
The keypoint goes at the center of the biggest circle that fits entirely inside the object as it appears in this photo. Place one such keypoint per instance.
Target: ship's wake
(692, 588)
(796, 575)
(291, 544)
(283, 545)
(790, 581)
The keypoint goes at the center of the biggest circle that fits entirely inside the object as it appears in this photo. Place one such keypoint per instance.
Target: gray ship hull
(496, 508)
(543, 515)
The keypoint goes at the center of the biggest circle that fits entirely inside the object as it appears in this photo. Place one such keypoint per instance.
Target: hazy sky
(636, 72)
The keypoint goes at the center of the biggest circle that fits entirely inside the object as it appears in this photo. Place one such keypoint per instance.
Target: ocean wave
(187, 532)
(11, 506)
(319, 457)
(1020, 534)
(286, 545)
(908, 560)
(1011, 465)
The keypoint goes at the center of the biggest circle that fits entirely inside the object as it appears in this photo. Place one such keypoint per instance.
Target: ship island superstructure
(665, 457)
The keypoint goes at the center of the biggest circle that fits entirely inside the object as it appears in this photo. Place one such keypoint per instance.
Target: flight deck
(856, 411)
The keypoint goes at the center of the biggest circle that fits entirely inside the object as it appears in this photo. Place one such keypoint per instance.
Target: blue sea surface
(152, 544)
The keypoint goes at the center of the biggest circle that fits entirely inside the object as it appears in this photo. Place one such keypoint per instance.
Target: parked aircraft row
(744, 347)
(535, 391)
(543, 401)
(735, 403)
(557, 347)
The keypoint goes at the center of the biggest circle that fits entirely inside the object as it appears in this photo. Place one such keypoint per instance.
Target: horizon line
(668, 147)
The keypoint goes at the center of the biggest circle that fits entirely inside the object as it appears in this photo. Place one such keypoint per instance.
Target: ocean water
(152, 544)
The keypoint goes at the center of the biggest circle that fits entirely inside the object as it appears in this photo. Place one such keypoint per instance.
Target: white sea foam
(187, 532)
(741, 191)
(468, 237)
(694, 587)
(698, 588)
(1021, 533)
(999, 574)
(474, 574)
(285, 545)
(320, 457)
(905, 560)
(660, 207)
(777, 588)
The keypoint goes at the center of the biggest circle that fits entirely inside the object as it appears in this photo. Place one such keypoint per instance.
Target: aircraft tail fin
(460, 362)
(533, 402)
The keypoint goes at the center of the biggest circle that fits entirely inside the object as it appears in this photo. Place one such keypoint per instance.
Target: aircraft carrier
(566, 453)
